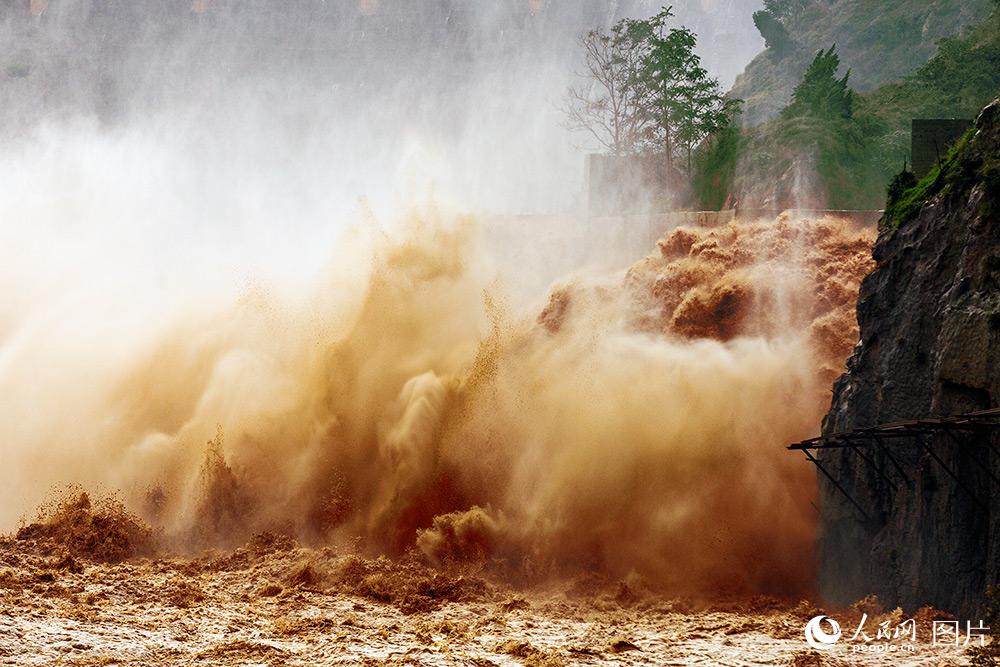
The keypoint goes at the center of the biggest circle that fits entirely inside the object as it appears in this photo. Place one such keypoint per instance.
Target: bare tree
(609, 104)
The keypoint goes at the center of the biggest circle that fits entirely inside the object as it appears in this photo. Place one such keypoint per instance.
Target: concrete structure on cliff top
(930, 139)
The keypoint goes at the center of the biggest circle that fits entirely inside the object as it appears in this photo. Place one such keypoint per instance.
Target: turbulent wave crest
(399, 405)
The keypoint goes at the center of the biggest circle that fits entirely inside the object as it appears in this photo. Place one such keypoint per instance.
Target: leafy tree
(783, 9)
(684, 102)
(821, 94)
(819, 123)
(771, 22)
(772, 30)
(702, 112)
(648, 91)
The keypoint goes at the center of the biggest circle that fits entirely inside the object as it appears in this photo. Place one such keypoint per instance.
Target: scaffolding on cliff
(957, 428)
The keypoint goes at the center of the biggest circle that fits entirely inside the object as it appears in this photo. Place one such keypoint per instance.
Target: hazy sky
(470, 89)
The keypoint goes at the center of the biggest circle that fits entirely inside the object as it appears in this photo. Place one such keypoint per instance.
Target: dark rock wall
(929, 316)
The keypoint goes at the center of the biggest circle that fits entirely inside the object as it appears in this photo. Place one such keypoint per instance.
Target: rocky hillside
(845, 160)
(878, 42)
(929, 316)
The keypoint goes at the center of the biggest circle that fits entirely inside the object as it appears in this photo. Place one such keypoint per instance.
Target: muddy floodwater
(272, 602)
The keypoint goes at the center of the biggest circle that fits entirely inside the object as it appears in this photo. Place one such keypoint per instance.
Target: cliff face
(929, 317)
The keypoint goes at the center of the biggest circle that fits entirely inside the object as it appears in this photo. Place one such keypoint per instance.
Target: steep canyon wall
(929, 317)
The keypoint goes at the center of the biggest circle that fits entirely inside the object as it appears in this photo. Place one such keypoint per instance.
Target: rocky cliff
(929, 317)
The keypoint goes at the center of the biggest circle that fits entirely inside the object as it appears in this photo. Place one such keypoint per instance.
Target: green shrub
(954, 169)
(715, 167)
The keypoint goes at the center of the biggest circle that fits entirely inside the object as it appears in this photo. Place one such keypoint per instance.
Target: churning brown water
(634, 425)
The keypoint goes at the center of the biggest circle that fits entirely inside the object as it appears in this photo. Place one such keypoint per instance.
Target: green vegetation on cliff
(715, 168)
(957, 82)
(842, 148)
(967, 163)
(907, 196)
(878, 42)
